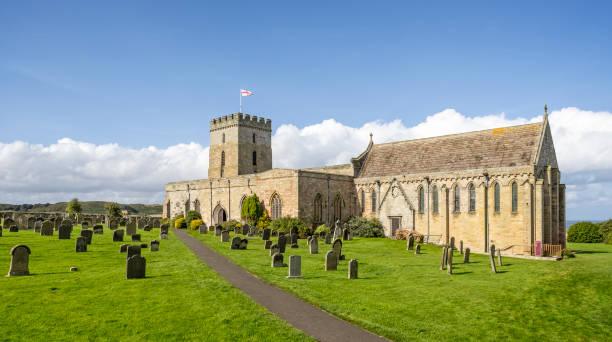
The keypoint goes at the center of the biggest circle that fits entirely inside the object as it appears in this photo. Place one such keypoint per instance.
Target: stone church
(497, 186)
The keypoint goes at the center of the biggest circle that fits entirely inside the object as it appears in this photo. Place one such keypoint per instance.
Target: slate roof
(487, 149)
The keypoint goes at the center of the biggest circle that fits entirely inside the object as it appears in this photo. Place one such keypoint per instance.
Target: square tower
(239, 144)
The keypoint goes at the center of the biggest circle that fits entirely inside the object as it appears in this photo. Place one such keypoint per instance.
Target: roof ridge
(456, 134)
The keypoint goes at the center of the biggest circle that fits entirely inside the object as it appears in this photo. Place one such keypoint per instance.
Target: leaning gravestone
(63, 232)
(314, 245)
(136, 267)
(295, 266)
(274, 249)
(277, 260)
(266, 234)
(492, 259)
(130, 228)
(154, 246)
(331, 261)
(46, 229)
(81, 244)
(267, 244)
(443, 260)
(225, 235)
(449, 262)
(337, 247)
(499, 258)
(20, 259)
(118, 235)
(235, 243)
(352, 269)
(87, 234)
(136, 237)
(203, 229)
(282, 242)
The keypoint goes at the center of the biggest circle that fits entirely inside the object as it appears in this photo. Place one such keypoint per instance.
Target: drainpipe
(428, 183)
(486, 209)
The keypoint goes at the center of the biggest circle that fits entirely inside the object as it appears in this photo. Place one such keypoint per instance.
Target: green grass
(181, 298)
(406, 297)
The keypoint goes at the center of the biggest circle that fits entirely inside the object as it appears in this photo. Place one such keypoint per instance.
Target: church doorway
(219, 215)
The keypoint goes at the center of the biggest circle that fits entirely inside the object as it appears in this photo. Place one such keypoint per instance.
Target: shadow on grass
(460, 273)
(590, 252)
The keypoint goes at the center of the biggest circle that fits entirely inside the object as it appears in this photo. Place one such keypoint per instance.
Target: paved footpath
(306, 317)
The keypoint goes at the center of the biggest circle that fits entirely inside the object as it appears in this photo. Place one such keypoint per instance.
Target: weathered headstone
(8, 222)
(331, 261)
(81, 244)
(328, 238)
(144, 246)
(154, 246)
(20, 259)
(461, 246)
(314, 245)
(492, 259)
(449, 262)
(294, 240)
(118, 235)
(274, 249)
(499, 257)
(130, 228)
(237, 230)
(353, 267)
(46, 229)
(163, 229)
(113, 224)
(345, 234)
(136, 267)
(203, 229)
(245, 229)
(235, 243)
(147, 228)
(466, 256)
(37, 226)
(282, 242)
(295, 266)
(443, 261)
(410, 242)
(218, 230)
(243, 244)
(267, 244)
(84, 225)
(266, 234)
(123, 247)
(133, 250)
(452, 242)
(225, 235)
(98, 229)
(277, 260)
(14, 229)
(63, 232)
(163, 236)
(155, 223)
(87, 234)
(417, 249)
(136, 237)
(337, 247)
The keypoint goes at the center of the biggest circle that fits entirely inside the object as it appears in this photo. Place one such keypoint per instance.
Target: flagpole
(241, 101)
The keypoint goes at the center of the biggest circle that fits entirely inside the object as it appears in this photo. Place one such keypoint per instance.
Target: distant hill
(92, 207)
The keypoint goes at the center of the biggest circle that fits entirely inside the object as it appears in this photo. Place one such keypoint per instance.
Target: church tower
(239, 144)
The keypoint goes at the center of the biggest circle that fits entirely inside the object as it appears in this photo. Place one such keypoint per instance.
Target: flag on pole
(244, 92)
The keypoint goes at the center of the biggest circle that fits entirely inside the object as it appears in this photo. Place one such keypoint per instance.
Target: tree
(74, 207)
(113, 209)
(251, 209)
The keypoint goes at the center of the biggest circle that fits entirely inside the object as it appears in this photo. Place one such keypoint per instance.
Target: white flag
(244, 92)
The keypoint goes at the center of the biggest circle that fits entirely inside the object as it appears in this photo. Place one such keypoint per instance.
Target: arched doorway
(219, 214)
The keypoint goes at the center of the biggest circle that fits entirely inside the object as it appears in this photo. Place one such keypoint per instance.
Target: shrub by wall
(365, 227)
(284, 225)
(180, 223)
(195, 224)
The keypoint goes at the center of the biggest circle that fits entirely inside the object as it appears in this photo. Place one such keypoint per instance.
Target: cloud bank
(33, 173)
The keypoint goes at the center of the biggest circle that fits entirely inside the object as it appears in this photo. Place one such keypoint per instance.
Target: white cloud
(35, 173)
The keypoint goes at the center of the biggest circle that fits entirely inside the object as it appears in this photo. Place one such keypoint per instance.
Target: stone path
(306, 317)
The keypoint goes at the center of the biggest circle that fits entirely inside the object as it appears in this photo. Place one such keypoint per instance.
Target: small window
(373, 201)
(254, 158)
(253, 138)
(496, 197)
(435, 199)
(222, 158)
(421, 200)
(514, 197)
(362, 201)
(223, 138)
(457, 199)
(472, 198)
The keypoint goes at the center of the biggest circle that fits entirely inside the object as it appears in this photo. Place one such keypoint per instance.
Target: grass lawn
(181, 298)
(406, 297)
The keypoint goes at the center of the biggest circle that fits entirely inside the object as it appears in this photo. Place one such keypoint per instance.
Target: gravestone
(123, 248)
(20, 259)
(492, 259)
(130, 228)
(84, 225)
(245, 229)
(218, 230)
(147, 228)
(63, 233)
(274, 249)
(155, 223)
(452, 242)
(8, 222)
(237, 230)
(87, 234)
(163, 236)
(225, 235)
(31, 222)
(294, 240)
(243, 244)
(295, 266)
(81, 244)
(353, 267)
(499, 258)
(331, 261)
(337, 247)
(267, 244)
(461, 246)
(37, 226)
(163, 229)
(466, 256)
(113, 224)
(136, 237)
(449, 262)
(282, 242)
(410, 242)
(14, 229)
(417, 250)
(144, 246)
(235, 243)
(136, 267)
(46, 229)
(443, 261)
(345, 234)
(118, 235)
(277, 260)
(98, 229)
(314, 245)
(203, 229)
(133, 250)
(252, 231)
(266, 234)
(328, 238)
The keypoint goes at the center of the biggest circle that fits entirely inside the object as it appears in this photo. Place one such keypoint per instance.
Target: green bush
(230, 225)
(284, 225)
(605, 228)
(568, 253)
(322, 229)
(195, 224)
(365, 227)
(251, 209)
(192, 215)
(584, 232)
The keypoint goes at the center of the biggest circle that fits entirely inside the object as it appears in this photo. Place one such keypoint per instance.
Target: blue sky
(140, 74)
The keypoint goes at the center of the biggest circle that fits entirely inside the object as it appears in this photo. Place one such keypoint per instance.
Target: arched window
(514, 197)
(457, 199)
(242, 202)
(435, 199)
(196, 205)
(318, 208)
(338, 202)
(277, 211)
(253, 138)
(421, 200)
(362, 201)
(496, 197)
(187, 207)
(254, 158)
(472, 197)
(222, 158)
(373, 200)
(223, 138)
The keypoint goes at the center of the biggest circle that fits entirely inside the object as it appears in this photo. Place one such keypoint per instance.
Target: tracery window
(276, 207)
(373, 200)
(472, 191)
(457, 199)
(421, 200)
